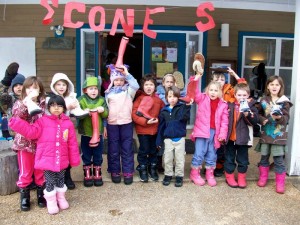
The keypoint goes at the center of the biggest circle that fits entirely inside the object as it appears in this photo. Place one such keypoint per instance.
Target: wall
(26, 21)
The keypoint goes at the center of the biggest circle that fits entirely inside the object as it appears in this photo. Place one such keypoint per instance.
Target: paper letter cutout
(128, 28)
(201, 13)
(48, 18)
(70, 6)
(92, 16)
(148, 21)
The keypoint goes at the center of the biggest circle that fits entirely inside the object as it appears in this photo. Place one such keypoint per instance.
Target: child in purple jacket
(57, 147)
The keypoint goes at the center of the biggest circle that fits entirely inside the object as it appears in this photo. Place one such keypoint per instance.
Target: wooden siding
(26, 21)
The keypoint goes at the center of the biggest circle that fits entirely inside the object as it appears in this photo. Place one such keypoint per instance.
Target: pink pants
(26, 170)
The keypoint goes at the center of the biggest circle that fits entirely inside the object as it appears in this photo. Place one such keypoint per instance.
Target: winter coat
(202, 123)
(274, 131)
(20, 110)
(173, 124)
(119, 101)
(57, 145)
(85, 126)
(244, 134)
(228, 91)
(141, 125)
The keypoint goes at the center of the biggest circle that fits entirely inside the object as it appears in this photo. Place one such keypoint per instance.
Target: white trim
(267, 5)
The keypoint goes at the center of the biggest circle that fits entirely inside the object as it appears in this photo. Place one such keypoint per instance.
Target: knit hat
(91, 81)
(19, 79)
(114, 74)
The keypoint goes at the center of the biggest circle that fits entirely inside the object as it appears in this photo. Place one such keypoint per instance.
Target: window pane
(287, 48)
(89, 47)
(287, 79)
(260, 50)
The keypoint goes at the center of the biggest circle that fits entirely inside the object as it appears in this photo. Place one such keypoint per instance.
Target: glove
(10, 74)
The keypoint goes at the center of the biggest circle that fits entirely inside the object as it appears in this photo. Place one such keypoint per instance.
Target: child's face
(56, 109)
(213, 92)
(241, 95)
(60, 87)
(18, 89)
(149, 87)
(172, 100)
(219, 79)
(119, 82)
(168, 82)
(32, 88)
(92, 92)
(274, 87)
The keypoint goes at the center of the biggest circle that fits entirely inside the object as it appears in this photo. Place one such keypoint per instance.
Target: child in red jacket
(57, 147)
(145, 113)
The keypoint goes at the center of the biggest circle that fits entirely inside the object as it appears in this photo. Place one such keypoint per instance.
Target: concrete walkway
(153, 203)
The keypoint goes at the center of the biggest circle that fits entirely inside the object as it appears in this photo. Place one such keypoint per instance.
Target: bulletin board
(20, 50)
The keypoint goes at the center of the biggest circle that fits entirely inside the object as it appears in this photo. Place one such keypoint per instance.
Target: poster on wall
(171, 55)
(156, 54)
(163, 68)
(20, 50)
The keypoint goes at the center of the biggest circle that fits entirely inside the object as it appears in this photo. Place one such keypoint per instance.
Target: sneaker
(116, 178)
(153, 172)
(128, 178)
(219, 172)
(179, 182)
(167, 180)
(143, 173)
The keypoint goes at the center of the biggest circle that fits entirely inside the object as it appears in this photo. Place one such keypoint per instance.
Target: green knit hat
(91, 81)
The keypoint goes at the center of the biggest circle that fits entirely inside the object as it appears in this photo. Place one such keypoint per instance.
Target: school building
(163, 37)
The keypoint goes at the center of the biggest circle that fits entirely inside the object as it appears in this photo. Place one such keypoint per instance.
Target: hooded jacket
(57, 145)
(274, 131)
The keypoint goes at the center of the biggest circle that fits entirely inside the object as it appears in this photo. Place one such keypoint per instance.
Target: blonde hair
(218, 85)
(168, 75)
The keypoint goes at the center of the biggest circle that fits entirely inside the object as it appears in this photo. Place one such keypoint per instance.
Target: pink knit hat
(114, 74)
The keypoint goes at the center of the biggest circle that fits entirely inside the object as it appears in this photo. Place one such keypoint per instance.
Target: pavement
(153, 203)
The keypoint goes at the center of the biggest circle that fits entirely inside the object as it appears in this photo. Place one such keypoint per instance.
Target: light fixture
(225, 35)
(58, 30)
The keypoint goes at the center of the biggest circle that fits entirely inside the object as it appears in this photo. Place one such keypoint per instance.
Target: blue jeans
(91, 155)
(205, 151)
(279, 166)
(147, 151)
(236, 153)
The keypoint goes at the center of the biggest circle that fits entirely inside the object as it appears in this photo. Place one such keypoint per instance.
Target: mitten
(10, 73)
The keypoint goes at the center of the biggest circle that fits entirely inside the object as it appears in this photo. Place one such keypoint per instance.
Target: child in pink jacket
(210, 131)
(57, 147)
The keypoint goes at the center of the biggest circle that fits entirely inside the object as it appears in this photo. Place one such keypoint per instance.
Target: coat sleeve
(105, 113)
(286, 114)
(133, 85)
(74, 157)
(224, 123)
(252, 118)
(160, 132)
(29, 131)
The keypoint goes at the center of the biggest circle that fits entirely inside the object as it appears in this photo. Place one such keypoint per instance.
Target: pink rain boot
(121, 52)
(242, 180)
(209, 175)
(94, 142)
(195, 177)
(61, 199)
(51, 201)
(230, 180)
(280, 182)
(263, 176)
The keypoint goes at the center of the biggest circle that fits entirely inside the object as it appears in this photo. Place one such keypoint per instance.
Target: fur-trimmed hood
(62, 76)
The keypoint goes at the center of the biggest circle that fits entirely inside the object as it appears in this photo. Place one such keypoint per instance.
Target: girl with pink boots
(274, 116)
(210, 131)
(57, 148)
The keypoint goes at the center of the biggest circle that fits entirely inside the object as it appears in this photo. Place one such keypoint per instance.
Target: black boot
(160, 168)
(97, 176)
(25, 199)
(143, 173)
(152, 170)
(40, 197)
(68, 179)
(88, 176)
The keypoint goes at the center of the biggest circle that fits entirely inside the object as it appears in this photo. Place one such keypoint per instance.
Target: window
(275, 50)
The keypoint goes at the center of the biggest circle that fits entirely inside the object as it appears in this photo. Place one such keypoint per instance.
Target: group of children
(47, 146)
